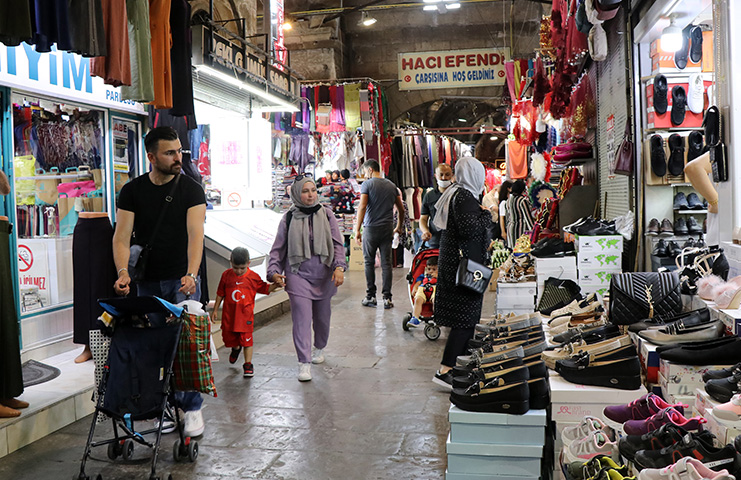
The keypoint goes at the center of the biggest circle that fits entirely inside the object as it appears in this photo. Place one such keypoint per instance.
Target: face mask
(443, 183)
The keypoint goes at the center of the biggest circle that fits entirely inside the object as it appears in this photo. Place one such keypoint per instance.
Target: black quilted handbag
(641, 295)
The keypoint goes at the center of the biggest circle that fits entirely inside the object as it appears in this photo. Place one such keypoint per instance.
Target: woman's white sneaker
(318, 356)
(304, 372)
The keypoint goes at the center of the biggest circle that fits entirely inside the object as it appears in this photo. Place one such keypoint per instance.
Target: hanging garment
(140, 53)
(94, 273)
(352, 106)
(159, 26)
(337, 117)
(305, 111)
(11, 377)
(365, 113)
(180, 58)
(87, 29)
(517, 160)
(50, 24)
(15, 22)
(115, 67)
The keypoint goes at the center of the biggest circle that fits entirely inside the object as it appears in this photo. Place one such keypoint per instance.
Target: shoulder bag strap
(168, 201)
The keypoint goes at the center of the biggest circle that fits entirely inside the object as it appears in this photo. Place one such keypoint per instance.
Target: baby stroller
(432, 330)
(137, 379)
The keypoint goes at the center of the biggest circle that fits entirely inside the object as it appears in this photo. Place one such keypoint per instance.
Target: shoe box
(572, 402)
(703, 402)
(516, 296)
(495, 446)
(663, 62)
(682, 380)
(600, 289)
(648, 356)
(725, 432)
(597, 276)
(594, 245)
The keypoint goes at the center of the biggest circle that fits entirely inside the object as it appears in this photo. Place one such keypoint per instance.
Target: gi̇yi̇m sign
(479, 67)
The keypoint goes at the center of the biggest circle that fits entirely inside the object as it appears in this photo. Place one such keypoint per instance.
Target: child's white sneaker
(318, 356)
(304, 372)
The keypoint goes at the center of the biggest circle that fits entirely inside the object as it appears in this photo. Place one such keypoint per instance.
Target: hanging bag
(139, 254)
(193, 360)
(624, 155)
(641, 295)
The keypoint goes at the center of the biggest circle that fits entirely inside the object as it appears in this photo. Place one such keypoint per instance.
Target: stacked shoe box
(649, 358)
(518, 298)
(725, 432)
(495, 446)
(598, 258)
(562, 268)
(680, 382)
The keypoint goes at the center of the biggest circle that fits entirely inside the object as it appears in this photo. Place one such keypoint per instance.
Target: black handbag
(641, 295)
(713, 125)
(472, 275)
(139, 254)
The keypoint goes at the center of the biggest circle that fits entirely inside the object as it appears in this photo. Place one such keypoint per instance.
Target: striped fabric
(557, 292)
(193, 360)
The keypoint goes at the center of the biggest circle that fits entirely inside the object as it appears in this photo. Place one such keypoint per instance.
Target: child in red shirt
(237, 289)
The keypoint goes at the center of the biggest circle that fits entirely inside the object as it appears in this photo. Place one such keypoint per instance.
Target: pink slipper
(706, 286)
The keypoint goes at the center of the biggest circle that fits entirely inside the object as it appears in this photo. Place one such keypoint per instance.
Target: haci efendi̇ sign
(480, 67)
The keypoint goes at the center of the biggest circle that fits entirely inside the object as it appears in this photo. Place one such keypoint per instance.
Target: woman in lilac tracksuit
(308, 258)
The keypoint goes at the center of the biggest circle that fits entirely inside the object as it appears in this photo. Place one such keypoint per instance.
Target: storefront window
(59, 169)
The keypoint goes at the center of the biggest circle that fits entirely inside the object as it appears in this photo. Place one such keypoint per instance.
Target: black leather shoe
(693, 227)
(493, 397)
(508, 376)
(690, 243)
(588, 336)
(661, 89)
(694, 145)
(723, 351)
(653, 227)
(681, 55)
(680, 202)
(673, 249)
(696, 44)
(676, 154)
(680, 226)
(722, 389)
(624, 374)
(666, 227)
(679, 105)
(658, 156)
(540, 393)
(660, 249)
(701, 316)
(694, 202)
(721, 374)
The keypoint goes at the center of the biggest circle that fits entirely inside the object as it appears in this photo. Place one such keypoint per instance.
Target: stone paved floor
(371, 411)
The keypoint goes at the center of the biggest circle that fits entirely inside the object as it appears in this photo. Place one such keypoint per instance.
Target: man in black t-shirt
(430, 233)
(175, 256)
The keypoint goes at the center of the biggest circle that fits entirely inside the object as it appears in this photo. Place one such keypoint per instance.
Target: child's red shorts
(236, 339)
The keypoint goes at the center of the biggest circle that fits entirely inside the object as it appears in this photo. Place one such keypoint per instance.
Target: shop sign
(120, 130)
(224, 55)
(453, 68)
(61, 74)
(277, 19)
(33, 275)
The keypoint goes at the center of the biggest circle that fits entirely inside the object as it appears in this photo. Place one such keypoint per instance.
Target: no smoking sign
(234, 199)
(25, 258)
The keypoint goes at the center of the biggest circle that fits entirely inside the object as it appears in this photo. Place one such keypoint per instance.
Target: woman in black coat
(464, 223)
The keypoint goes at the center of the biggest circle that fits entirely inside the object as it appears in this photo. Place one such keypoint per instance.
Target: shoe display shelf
(598, 258)
(560, 267)
(518, 298)
(497, 446)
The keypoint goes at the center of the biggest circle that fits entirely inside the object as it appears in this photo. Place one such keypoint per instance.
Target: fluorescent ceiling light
(671, 37)
(429, 8)
(277, 101)
(431, 1)
(492, 138)
(453, 6)
(462, 120)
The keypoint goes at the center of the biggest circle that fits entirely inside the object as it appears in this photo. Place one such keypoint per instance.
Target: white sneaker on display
(696, 94)
(194, 425)
(304, 372)
(318, 356)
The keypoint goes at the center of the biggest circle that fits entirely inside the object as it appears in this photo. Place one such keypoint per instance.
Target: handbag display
(557, 292)
(472, 275)
(139, 254)
(641, 295)
(624, 155)
(713, 125)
